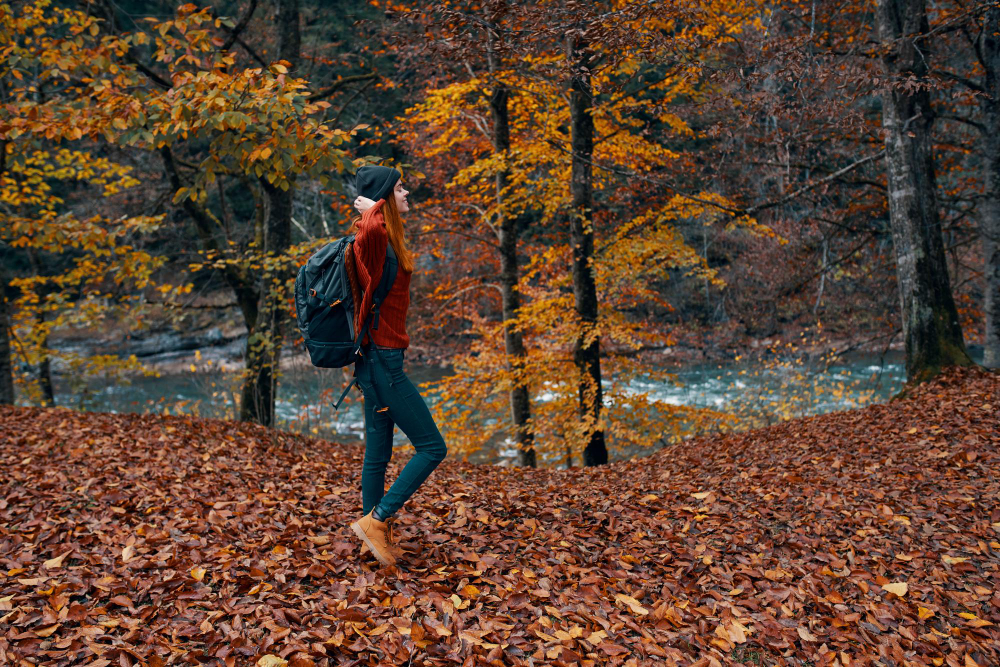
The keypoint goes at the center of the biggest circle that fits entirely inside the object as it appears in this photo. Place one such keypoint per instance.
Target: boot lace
(390, 538)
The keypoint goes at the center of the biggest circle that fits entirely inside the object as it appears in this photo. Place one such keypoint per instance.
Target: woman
(390, 398)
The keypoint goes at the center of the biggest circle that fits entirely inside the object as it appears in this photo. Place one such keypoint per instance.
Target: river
(306, 394)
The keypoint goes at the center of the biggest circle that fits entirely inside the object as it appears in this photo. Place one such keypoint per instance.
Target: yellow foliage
(644, 245)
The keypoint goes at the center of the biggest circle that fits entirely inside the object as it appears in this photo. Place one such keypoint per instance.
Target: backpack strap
(336, 406)
(389, 270)
(324, 298)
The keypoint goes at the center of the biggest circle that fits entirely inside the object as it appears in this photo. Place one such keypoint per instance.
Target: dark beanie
(376, 182)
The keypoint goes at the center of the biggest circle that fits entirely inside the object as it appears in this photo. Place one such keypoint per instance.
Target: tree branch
(966, 121)
(349, 100)
(458, 233)
(958, 78)
(234, 34)
(812, 186)
(337, 85)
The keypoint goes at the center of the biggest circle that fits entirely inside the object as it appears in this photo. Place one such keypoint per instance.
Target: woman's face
(400, 193)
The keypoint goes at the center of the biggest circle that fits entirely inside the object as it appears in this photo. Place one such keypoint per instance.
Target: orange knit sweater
(365, 272)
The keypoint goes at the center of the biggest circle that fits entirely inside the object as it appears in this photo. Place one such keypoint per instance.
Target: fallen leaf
(805, 635)
(632, 604)
(898, 588)
(57, 562)
(272, 661)
(47, 631)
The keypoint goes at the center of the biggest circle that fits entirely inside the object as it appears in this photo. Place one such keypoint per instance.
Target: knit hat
(376, 182)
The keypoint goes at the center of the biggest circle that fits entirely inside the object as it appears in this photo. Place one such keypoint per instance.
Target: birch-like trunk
(931, 329)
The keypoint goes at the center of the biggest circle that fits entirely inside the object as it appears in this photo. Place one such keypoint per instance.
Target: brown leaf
(57, 562)
(805, 635)
(272, 661)
(632, 604)
(898, 588)
(47, 631)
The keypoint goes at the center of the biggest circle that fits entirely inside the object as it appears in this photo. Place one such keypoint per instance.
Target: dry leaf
(47, 631)
(806, 635)
(632, 604)
(898, 588)
(535, 577)
(272, 661)
(57, 562)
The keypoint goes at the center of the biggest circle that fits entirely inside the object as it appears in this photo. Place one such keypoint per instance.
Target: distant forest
(591, 184)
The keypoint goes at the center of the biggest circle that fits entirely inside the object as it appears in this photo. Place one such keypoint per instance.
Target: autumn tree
(632, 127)
(6, 370)
(989, 53)
(587, 347)
(507, 236)
(100, 268)
(931, 329)
(174, 88)
(209, 119)
(967, 72)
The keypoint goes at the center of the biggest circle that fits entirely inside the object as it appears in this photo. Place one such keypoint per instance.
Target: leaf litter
(869, 537)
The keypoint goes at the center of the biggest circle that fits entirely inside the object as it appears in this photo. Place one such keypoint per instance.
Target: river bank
(172, 350)
(197, 372)
(305, 394)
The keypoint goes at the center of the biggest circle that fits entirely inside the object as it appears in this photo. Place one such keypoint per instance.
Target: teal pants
(385, 385)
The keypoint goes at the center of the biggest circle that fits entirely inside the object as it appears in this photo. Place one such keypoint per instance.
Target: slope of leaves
(866, 537)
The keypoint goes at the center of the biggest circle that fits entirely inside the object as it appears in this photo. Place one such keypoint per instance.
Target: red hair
(397, 236)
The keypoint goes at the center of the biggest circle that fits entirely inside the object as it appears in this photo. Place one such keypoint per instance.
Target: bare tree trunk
(45, 377)
(930, 320)
(587, 350)
(264, 345)
(6, 367)
(45, 364)
(989, 210)
(520, 401)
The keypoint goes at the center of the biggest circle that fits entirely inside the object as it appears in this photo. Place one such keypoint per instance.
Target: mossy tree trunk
(265, 340)
(933, 335)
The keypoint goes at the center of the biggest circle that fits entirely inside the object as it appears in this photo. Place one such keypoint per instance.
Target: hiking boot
(394, 547)
(375, 535)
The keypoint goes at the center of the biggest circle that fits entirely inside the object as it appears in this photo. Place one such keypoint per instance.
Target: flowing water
(306, 394)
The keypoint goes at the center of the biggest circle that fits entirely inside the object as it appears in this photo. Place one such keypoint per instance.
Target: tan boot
(394, 547)
(375, 535)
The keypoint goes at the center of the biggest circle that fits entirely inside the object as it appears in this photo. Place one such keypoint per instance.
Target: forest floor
(854, 538)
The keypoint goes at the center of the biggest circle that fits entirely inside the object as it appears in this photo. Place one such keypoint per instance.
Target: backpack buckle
(312, 292)
(335, 302)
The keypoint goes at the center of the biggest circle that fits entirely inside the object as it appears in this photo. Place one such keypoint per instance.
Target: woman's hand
(363, 204)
